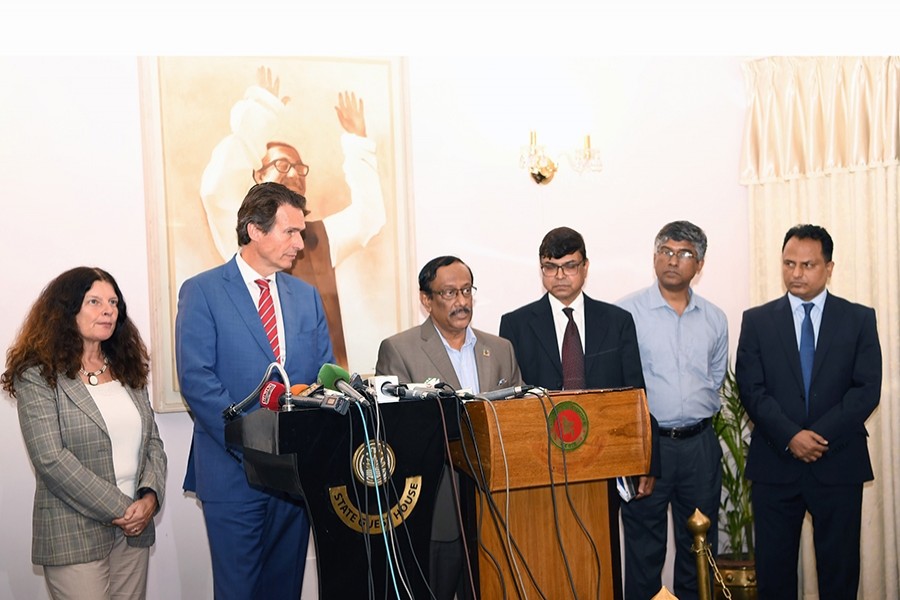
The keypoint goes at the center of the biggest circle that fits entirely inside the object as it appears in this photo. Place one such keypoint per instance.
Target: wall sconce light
(586, 158)
(534, 158)
(542, 168)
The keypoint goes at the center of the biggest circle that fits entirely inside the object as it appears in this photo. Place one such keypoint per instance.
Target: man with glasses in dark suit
(567, 340)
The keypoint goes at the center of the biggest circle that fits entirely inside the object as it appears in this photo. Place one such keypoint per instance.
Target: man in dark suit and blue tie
(257, 538)
(809, 373)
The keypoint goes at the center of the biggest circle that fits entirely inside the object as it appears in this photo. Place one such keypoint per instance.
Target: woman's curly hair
(50, 339)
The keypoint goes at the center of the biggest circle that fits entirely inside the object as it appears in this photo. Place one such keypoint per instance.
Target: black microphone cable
(500, 524)
(481, 487)
(575, 515)
(379, 507)
(559, 541)
(362, 507)
(455, 487)
(386, 488)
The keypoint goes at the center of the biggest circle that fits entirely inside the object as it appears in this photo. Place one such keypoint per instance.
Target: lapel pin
(486, 352)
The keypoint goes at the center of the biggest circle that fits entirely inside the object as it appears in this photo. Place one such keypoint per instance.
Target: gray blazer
(418, 353)
(76, 496)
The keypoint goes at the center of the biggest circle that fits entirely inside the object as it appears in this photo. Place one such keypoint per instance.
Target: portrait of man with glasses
(446, 347)
(254, 152)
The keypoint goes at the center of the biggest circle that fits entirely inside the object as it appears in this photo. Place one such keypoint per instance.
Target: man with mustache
(446, 347)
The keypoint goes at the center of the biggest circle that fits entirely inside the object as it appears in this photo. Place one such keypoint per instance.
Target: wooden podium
(548, 460)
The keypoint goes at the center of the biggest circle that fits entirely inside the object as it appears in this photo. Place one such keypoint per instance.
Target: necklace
(92, 376)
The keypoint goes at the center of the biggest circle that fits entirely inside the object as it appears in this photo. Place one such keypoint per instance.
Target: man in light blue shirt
(683, 340)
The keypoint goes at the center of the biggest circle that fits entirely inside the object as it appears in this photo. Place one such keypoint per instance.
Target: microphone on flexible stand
(272, 395)
(236, 409)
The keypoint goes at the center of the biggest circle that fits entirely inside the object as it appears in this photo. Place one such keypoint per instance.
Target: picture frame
(192, 107)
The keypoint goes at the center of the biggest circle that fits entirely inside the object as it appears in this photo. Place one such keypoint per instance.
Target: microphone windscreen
(270, 394)
(330, 374)
(298, 388)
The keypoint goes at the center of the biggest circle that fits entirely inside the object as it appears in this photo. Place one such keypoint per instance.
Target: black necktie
(572, 355)
(807, 349)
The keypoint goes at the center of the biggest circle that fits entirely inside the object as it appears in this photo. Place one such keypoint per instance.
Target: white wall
(669, 130)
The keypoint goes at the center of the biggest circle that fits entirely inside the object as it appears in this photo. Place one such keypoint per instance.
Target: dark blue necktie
(807, 349)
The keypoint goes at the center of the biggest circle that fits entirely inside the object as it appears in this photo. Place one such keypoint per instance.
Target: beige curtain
(821, 146)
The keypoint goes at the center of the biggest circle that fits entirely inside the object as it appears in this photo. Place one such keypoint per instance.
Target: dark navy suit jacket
(611, 355)
(844, 390)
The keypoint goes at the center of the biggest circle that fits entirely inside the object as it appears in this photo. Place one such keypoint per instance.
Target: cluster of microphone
(336, 389)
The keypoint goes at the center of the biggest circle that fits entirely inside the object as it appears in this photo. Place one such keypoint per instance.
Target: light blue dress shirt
(684, 357)
(463, 361)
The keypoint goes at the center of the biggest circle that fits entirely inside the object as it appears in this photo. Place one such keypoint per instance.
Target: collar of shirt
(798, 312)
(656, 300)
(249, 275)
(560, 321)
(463, 360)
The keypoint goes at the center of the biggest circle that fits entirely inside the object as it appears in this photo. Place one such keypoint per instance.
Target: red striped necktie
(267, 316)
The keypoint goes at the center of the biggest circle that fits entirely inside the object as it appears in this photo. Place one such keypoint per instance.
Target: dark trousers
(779, 510)
(448, 576)
(691, 478)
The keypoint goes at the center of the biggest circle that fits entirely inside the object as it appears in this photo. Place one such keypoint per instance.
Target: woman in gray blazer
(78, 371)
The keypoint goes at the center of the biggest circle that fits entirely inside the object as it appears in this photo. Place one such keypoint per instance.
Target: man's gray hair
(683, 231)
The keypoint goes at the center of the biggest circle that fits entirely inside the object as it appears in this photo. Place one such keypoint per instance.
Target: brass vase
(739, 574)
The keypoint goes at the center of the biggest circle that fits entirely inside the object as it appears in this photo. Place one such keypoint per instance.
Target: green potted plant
(736, 564)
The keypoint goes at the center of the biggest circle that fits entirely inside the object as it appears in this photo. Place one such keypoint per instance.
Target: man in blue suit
(257, 538)
(809, 373)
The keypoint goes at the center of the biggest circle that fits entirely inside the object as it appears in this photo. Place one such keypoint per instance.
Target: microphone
(417, 393)
(272, 395)
(236, 409)
(504, 393)
(314, 396)
(393, 389)
(337, 378)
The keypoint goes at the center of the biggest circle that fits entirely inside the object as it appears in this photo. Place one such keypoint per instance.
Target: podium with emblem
(370, 501)
(542, 492)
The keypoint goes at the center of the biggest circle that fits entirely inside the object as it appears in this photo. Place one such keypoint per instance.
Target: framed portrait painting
(333, 130)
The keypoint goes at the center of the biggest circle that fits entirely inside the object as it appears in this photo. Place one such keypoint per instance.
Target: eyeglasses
(450, 294)
(681, 254)
(283, 165)
(552, 270)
